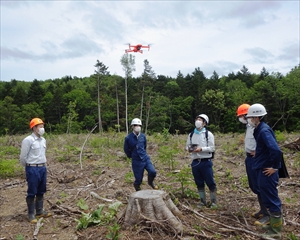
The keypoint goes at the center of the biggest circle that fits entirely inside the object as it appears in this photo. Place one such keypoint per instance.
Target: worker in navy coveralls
(263, 217)
(266, 163)
(201, 155)
(33, 158)
(135, 145)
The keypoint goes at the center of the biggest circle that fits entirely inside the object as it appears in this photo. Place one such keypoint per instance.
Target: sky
(51, 39)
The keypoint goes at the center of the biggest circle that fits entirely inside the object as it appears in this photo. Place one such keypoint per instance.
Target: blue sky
(51, 39)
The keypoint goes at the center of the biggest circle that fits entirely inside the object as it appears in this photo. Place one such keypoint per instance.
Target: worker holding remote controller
(201, 144)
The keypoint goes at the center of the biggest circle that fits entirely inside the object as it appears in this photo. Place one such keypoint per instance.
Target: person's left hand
(198, 149)
(269, 171)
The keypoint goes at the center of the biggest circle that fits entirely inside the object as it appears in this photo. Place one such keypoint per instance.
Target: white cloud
(52, 39)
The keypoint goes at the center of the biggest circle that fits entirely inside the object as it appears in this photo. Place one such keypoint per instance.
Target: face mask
(198, 124)
(252, 124)
(137, 129)
(41, 131)
(242, 120)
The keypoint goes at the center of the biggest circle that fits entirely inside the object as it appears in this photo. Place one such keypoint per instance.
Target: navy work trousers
(138, 168)
(36, 180)
(203, 173)
(268, 190)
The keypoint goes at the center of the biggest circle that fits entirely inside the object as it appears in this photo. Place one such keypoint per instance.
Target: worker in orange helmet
(262, 216)
(33, 158)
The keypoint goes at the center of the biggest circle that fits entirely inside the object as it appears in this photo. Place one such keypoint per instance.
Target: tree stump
(153, 206)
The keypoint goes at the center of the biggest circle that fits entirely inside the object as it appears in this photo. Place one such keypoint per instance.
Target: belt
(36, 165)
(202, 159)
(249, 154)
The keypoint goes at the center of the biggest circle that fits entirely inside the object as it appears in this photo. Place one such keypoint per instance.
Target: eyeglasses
(135, 125)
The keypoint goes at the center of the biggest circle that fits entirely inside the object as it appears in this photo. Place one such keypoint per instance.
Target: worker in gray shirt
(33, 158)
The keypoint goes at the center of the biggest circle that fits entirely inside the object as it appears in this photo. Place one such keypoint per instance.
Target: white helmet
(136, 121)
(205, 117)
(256, 110)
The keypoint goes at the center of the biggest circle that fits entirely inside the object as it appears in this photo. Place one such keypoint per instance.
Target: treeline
(71, 104)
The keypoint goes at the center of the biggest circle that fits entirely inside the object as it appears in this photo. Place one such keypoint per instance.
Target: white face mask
(41, 131)
(198, 124)
(137, 129)
(252, 124)
(243, 120)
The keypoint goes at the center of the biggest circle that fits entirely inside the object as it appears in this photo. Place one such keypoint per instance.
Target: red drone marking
(136, 48)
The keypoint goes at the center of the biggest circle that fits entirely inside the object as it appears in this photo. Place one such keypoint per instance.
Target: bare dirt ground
(67, 183)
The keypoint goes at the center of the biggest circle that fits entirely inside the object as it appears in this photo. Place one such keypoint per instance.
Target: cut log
(293, 145)
(154, 206)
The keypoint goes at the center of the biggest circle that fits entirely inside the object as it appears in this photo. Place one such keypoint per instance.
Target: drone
(136, 48)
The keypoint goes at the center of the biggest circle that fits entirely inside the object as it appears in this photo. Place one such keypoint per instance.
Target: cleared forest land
(81, 179)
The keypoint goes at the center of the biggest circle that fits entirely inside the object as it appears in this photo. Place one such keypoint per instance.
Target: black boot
(263, 214)
(202, 195)
(137, 187)
(151, 182)
(213, 198)
(30, 207)
(39, 203)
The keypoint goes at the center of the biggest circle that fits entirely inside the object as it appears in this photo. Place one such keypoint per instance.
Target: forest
(108, 102)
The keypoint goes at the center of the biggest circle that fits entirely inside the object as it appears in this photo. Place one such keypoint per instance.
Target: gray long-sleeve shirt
(33, 150)
(207, 146)
(250, 143)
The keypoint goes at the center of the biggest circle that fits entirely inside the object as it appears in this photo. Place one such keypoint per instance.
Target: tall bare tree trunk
(148, 108)
(126, 107)
(118, 113)
(99, 108)
(142, 102)
(127, 62)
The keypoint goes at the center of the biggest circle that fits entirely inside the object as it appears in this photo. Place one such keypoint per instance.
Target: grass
(10, 168)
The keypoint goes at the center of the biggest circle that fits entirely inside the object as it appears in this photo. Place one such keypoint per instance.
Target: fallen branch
(226, 226)
(293, 145)
(293, 223)
(5, 185)
(39, 224)
(95, 195)
(65, 209)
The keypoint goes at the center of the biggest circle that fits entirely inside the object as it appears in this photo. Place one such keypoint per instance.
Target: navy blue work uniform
(267, 155)
(135, 148)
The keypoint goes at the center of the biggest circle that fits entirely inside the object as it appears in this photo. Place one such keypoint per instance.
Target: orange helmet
(242, 109)
(35, 121)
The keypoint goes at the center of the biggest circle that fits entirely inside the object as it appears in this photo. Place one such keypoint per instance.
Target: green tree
(8, 116)
(214, 107)
(292, 84)
(147, 82)
(36, 92)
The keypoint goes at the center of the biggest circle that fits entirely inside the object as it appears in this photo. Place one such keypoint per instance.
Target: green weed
(184, 178)
(9, 151)
(244, 181)
(81, 203)
(114, 232)
(10, 168)
(292, 236)
(279, 136)
(98, 217)
(167, 154)
(20, 237)
(129, 177)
